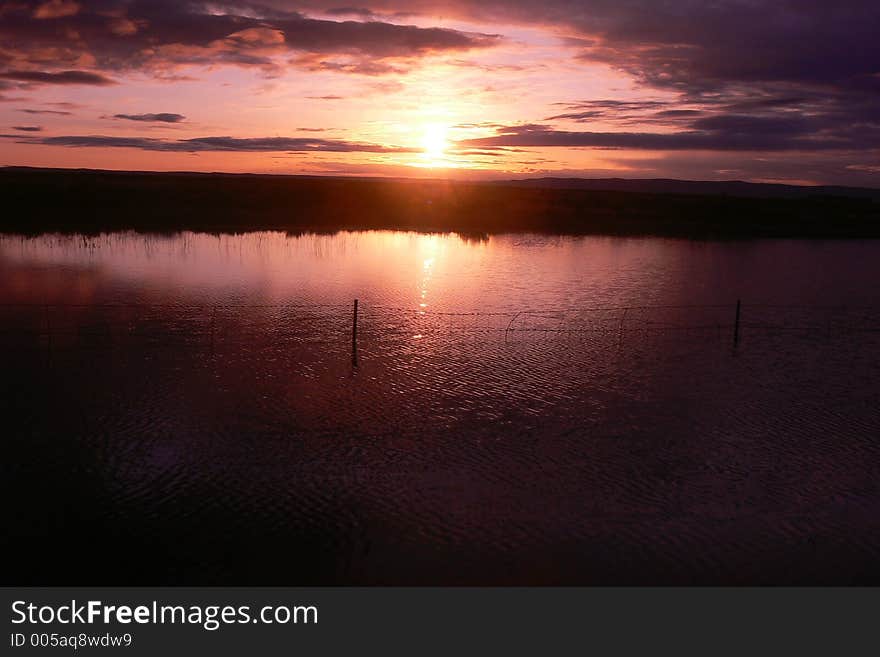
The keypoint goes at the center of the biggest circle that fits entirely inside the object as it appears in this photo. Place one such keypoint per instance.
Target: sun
(434, 141)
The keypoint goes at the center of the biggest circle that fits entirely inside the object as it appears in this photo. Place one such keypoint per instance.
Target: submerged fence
(333, 322)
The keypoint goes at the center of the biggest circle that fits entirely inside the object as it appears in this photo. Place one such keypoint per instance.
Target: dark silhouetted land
(40, 200)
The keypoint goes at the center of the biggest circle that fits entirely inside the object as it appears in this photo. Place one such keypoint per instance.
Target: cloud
(218, 144)
(738, 120)
(361, 12)
(27, 128)
(779, 63)
(616, 111)
(685, 46)
(158, 35)
(56, 9)
(162, 117)
(42, 111)
(347, 64)
(62, 77)
(723, 134)
(702, 46)
(376, 38)
(745, 124)
(12, 99)
(691, 44)
(677, 113)
(733, 75)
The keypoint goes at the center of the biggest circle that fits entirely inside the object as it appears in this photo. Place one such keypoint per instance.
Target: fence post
(354, 336)
(736, 325)
(620, 329)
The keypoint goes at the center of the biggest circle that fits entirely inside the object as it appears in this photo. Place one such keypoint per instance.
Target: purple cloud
(739, 134)
(62, 77)
(42, 111)
(217, 144)
(156, 35)
(162, 117)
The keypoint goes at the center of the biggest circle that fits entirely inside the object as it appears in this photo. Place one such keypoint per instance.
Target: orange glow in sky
(441, 88)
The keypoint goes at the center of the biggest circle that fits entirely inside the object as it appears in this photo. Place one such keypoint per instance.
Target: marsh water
(524, 409)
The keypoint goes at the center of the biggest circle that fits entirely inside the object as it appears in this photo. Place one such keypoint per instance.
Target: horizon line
(460, 180)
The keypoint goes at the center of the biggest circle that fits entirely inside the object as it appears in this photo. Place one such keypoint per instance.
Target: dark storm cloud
(162, 117)
(216, 144)
(158, 34)
(27, 128)
(62, 77)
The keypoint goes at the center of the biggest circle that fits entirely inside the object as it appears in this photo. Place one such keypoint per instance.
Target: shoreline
(91, 202)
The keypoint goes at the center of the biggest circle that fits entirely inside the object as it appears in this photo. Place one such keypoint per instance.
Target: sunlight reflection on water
(504, 408)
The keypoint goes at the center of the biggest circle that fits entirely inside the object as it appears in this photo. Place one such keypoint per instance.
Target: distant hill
(736, 188)
(701, 187)
(80, 201)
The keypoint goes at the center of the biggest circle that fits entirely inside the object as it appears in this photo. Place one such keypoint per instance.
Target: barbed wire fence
(215, 324)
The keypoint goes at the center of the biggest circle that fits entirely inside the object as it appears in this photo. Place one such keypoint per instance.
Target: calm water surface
(526, 409)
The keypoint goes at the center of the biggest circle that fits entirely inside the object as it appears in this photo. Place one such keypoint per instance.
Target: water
(525, 409)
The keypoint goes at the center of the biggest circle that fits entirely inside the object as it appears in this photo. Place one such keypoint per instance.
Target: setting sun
(316, 296)
(434, 141)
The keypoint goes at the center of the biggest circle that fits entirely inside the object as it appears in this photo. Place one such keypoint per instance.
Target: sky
(760, 90)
